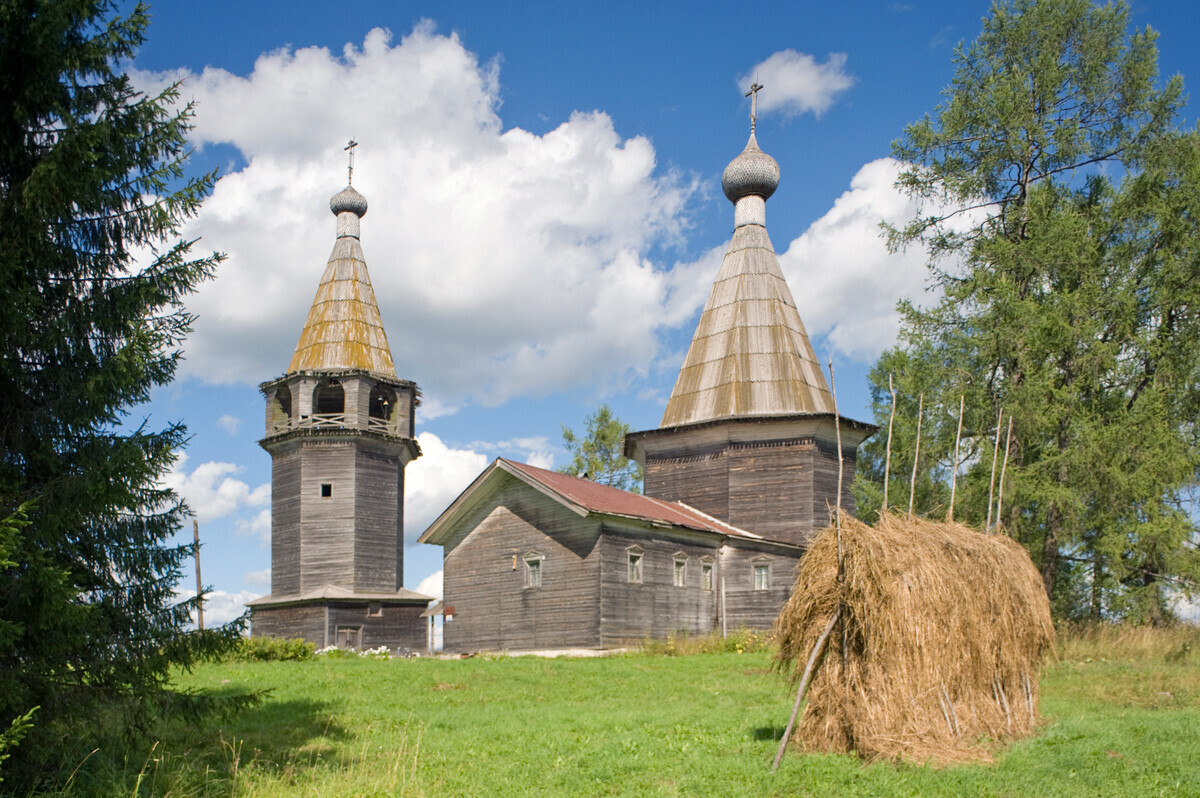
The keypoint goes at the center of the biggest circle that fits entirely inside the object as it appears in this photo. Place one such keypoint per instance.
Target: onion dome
(350, 201)
(752, 173)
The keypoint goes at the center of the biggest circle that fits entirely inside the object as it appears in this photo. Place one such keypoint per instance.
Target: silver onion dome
(753, 172)
(348, 201)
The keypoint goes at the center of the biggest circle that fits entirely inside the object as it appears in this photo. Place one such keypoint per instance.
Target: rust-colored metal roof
(587, 498)
(344, 329)
(750, 354)
(606, 500)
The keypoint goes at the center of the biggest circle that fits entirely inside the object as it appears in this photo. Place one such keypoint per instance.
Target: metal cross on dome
(350, 149)
(753, 95)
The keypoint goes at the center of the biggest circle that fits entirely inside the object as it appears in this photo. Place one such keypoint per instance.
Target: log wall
(485, 577)
(654, 608)
(398, 627)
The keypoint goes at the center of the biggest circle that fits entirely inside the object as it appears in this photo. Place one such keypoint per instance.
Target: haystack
(936, 650)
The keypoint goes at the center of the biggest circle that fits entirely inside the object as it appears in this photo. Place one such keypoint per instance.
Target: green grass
(704, 724)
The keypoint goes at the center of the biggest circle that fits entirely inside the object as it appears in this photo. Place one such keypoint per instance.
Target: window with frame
(533, 569)
(706, 574)
(681, 570)
(762, 576)
(635, 565)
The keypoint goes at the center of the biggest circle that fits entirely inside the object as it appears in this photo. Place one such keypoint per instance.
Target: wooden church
(339, 429)
(741, 473)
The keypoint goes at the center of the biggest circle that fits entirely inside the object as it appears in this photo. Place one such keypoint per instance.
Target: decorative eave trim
(271, 441)
(325, 374)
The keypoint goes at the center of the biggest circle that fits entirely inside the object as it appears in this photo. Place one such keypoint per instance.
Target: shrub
(273, 649)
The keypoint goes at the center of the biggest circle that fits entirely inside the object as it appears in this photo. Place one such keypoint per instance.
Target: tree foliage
(1063, 223)
(92, 276)
(600, 453)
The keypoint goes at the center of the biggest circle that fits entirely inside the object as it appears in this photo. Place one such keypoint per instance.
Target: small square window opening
(326, 490)
(374, 609)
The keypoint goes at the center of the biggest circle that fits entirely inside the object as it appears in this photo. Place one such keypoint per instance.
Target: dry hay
(944, 629)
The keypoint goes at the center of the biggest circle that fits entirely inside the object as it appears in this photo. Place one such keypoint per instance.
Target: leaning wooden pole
(1003, 469)
(912, 485)
(987, 527)
(808, 672)
(837, 425)
(954, 476)
(199, 585)
(887, 462)
(841, 572)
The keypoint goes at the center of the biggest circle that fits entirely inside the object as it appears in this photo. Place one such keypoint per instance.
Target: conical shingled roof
(750, 354)
(344, 329)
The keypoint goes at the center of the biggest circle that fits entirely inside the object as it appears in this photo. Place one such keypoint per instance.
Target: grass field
(1122, 716)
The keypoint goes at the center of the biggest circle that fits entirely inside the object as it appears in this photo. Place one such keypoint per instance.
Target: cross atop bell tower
(753, 95)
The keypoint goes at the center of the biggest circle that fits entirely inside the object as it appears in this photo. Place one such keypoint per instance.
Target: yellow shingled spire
(344, 329)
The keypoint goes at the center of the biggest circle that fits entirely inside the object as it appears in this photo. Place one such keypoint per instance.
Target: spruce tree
(92, 275)
(1062, 224)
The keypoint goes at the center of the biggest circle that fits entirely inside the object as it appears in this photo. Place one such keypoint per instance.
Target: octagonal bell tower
(340, 431)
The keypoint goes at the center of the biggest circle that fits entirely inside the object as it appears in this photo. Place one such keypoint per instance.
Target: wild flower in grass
(380, 652)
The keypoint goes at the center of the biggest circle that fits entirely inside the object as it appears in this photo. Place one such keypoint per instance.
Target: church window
(762, 576)
(533, 569)
(680, 570)
(326, 490)
(706, 574)
(635, 565)
(374, 609)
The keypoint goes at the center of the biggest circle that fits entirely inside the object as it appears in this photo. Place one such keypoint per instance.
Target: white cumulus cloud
(431, 585)
(841, 261)
(259, 526)
(505, 263)
(220, 606)
(796, 83)
(229, 423)
(434, 480)
(211, 491)
(260, 579)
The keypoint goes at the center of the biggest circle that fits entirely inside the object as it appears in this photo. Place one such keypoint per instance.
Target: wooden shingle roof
(750, 354)
(344, 329)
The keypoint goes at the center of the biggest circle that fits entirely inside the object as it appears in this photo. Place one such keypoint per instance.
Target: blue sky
(545, 209)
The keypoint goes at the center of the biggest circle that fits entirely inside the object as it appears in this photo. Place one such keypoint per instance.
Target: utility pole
(199, 587)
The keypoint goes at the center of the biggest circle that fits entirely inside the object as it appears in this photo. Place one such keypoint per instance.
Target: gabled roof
(583, 497)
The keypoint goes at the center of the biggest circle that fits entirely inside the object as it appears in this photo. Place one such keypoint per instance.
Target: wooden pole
(987, 527)
(199, 585)
(887, 463)
(1003, 469)
(912, 485)
(954, 476)
(837, 426)
(808, 672)
(838, 429)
